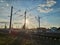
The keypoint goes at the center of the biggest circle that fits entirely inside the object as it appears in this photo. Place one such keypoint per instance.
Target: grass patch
(5, 39)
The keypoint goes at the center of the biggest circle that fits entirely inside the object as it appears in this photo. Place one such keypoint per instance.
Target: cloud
(46, 8)
(1, 1)
(50, 3)
(7, 4)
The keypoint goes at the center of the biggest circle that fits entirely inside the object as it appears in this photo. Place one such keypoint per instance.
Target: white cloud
(7, 4)
(50, 3)
(2, 7)
(42, 5)
(45, 8)
(1, 1)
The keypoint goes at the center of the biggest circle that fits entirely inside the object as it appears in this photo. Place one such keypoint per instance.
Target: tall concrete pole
(11, 17)
(25, 20)
(39, 21)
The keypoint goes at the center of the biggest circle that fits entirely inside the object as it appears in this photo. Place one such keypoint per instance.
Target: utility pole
(24, 26)
(39, 21)
(25, 20)
(11, 17)
(5, 26)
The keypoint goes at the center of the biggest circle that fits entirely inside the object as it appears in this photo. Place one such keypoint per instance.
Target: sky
(48, 10)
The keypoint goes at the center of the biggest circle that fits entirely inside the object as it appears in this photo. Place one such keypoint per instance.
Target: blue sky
(46, 7)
